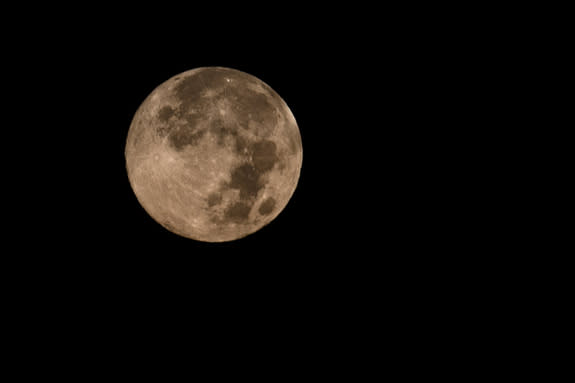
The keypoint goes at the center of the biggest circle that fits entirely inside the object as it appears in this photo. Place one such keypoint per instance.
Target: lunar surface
(213, 154)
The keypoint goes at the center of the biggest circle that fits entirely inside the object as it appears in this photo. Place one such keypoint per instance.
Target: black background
(385, 237)
(353, 80)
(375, 96)
(379, 97)
(398, 248)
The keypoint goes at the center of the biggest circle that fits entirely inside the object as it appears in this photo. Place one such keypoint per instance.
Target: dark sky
(382, 236)
(363, 86)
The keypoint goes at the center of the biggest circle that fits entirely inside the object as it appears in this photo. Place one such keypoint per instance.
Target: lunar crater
(267, 206)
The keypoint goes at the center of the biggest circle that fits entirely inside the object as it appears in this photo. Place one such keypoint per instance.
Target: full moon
(213, 154)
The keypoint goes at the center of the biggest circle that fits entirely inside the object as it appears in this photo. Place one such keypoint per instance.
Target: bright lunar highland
(213, 154)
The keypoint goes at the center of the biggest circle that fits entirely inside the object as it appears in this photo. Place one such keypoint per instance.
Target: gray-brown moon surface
(213, 154)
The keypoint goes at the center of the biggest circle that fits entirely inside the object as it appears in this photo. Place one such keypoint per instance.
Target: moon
(213, 154)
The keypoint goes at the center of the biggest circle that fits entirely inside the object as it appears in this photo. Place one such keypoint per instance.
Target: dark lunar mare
(267, 206)
(248, 178)
(238, 212)
(264, 155)
(183, 136)
(165, 113)
(214, 199)
(180, 124)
